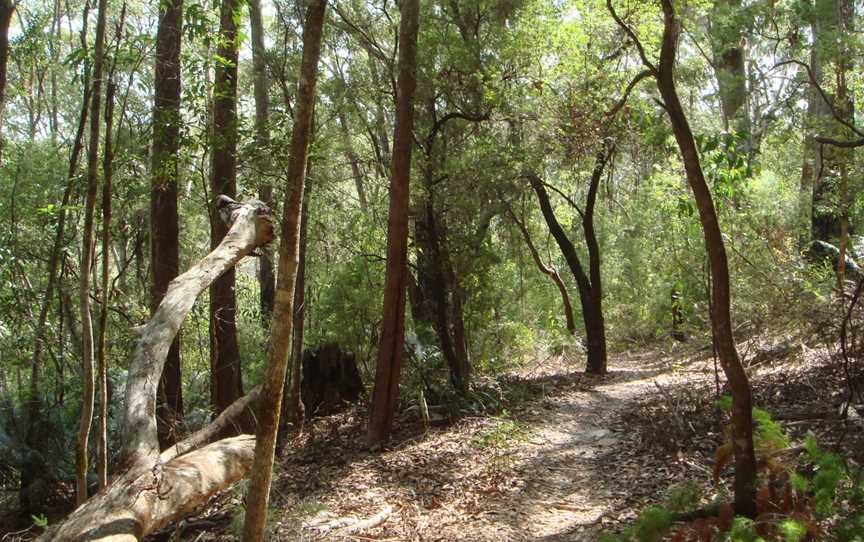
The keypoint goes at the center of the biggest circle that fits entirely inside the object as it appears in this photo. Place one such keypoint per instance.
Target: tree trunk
(392, 344)
(353, 160)
(53, 50)
(589, 285)
(432, 278)
(164, 219)
(727, 43)
(102, 354)
(226, 384)
(677, 317)
(260, 83)
(283, 309)
(816, 202)
(7, 7)
(597, 362)
(87, 248)
(742, 420)
(812, 162)
(55, 267)
(846, 109)
(462, 377)
(380, 140)
(156, 489)
(293, 411)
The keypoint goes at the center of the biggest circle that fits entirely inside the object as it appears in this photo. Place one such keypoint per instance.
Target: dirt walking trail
(563, 465)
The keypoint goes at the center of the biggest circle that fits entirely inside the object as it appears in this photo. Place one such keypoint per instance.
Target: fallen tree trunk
(153, 489)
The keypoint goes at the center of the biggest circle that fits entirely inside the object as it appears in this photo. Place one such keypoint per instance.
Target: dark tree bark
(87, 249)
(7, 7)
(283, 310)
(164, 220)
(589, 284)
(331, 380)
(548, 270)
(721, 321)
(438, 294)
(435, 299)
(677, 317)
(261, 86)
(380, 141)
(226, 385)
(392, 343)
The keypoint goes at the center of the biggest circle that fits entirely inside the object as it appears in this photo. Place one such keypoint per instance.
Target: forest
(480, 270)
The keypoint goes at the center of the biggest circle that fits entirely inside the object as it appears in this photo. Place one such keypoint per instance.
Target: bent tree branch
(152, 490)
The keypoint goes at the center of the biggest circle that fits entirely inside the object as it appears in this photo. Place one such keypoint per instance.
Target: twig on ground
(370, 523)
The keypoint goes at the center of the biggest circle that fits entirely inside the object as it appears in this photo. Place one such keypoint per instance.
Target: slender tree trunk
(597, 363)
(677, 317)
(457, 313)
(742, 420)
(266, 277)
(54, 271)
(54, 47)
(549, 271)
(433, 286)
(164, 219)
(283, 310)
(811, 163)
(382, 142)
(7, 7)
(292, 410)
(391, 347)
(353, 160)
(226, 383)
(846, 108)
(87, 248)
(101, 343)
(589, 285)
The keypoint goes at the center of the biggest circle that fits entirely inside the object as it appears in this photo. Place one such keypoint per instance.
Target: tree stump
(330, 379)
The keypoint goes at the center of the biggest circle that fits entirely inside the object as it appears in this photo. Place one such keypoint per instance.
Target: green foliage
(725, 164)
(851, 529)
(820, 479)
(504, 434)
(799, 482)
(792, 531)
(653, 523)
(768, 435)
(743, 530)
(829, 471)
(682, 496)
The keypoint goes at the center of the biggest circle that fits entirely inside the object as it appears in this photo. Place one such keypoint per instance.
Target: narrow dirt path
(564, 466)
